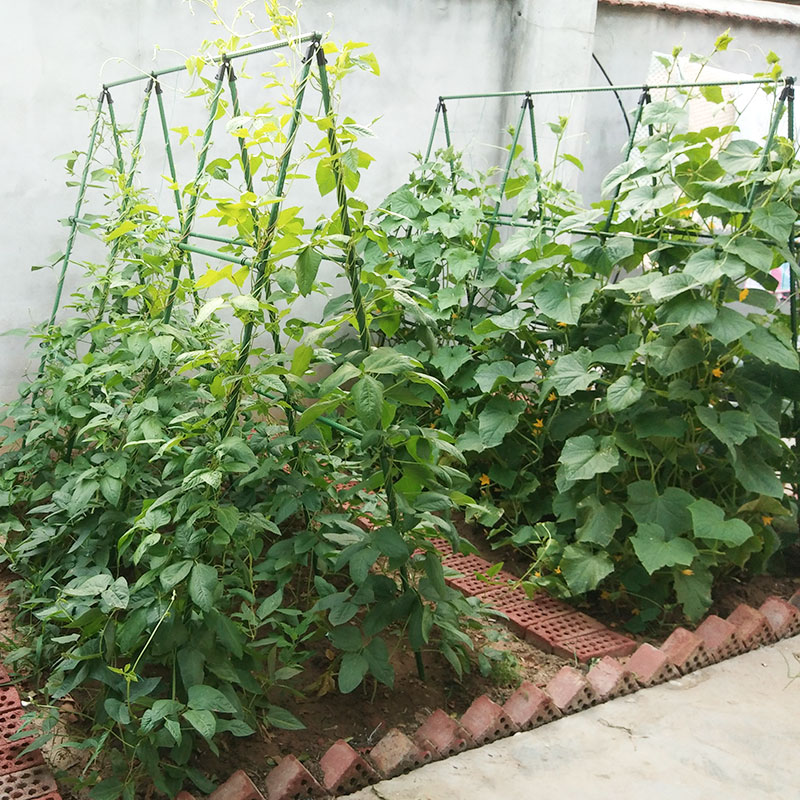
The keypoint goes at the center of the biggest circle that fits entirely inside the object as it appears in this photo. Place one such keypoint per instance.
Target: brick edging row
(343, 770)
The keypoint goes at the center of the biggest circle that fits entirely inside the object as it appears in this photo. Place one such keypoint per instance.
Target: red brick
(9, 698)
(27, 783)
(10, 723)
(685, 651)
(290, 780)
(795, 599)
(596, 644)
(570, 691)
(486, 721)
(184, 795)
(752, 627)
(609, 679)
(466, 563)
(395, 754)
(443, 734)
(4, 676)
(783, 618)
(551, 633)
(237, 787)
(650, 666)
(530, 707)
(522, 612)
(443, 546)
(11, 761)
(468, 582)
(344, 770)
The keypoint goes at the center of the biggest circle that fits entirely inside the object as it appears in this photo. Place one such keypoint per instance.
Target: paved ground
(729, 731)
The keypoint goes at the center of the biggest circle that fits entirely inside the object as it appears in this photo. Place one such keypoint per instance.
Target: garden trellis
(784, 104)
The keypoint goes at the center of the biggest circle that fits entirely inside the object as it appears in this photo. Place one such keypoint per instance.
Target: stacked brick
(343, 770)
(21, 775)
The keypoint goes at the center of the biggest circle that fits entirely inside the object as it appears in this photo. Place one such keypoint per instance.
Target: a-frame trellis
(186, 212)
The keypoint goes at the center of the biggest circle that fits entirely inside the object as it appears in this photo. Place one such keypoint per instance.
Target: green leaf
(449, 359)
(582, 569)
(739, 156)
(597, 521)
(111, 489)
(117, 710)
(301, 359)
(712, 93)
(663, 112)
(121, 230)
(570, 373)
(207, 698)
(669, 510)
(460, 262)
(754, 473)
(118, 594)
(91, 587)
(306, 269)
(269, 605)
(708, 521)
(245, 302)
(207, 309)
(730, 427)
(685, 354)
(352, 670)
(391, 543)
(764, 345)
(729, 326)
(688, 312)
(377, 654)
(387, 361)
(564, 301)
(694, 592)
(162, 348)
(202, 584)
(281, 718)
(752, 252)
(347, 638)
(203, 722)
(624, 392)
(487, 375)
(367, 397)
(498, 419)
(583, 457)
(655, 551)
(776, 219)
(311, 414)
(173, 574)
(404, 202)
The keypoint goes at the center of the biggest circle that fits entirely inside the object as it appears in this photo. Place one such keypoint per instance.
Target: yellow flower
(552, 397)
(485, 480)
(605, 595)
(687, 572)
(536, 432)
(562, 324)
(549, 362)
(635, 612)
(557, 570)
(539, 423)
(537, 574)
(767, 520)
(716, 372)
(743, 295)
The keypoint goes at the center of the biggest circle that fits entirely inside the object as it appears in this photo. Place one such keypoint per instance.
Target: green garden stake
(433, 130)
(773, 129)
(112, 118)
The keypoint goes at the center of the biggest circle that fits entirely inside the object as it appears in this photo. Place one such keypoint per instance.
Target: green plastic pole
(644, 98)
(495, 215)
(226, 57)
(112, 118)
(789, 92)
(535, 147)
(126, 200)
(433, 130)
(228, 257)
(352, 269)
(264, 245)
(191, 210)
(448, 140)
(773, 128)
(76, 214)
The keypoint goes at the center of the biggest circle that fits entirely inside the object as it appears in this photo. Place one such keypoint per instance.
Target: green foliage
(186, 527)
(622, 394)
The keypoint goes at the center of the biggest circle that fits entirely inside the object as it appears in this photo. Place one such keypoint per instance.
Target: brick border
(345, 770)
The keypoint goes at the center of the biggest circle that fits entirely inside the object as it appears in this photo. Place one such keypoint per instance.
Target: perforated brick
(10, 722)
(650, 666)
(443, 546)
(795, 599)
(290, 780)
(752, 627)
(9, 698)
(530, 707)
(466, 563)
(12, 761)
(550, 633)
(719, 637)
(685, 651)
(474, 586)
(597, 644)
(486, 721)
(783, 618)
(395, 754)
(4, 676)
(609, 679)
(344, 770)
(570, 691)
(27, 784)
(443, 734)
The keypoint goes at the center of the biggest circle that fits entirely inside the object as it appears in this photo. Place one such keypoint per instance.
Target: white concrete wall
(55, 49)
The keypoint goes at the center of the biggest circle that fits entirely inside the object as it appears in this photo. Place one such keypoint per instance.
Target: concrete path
(728, 731)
